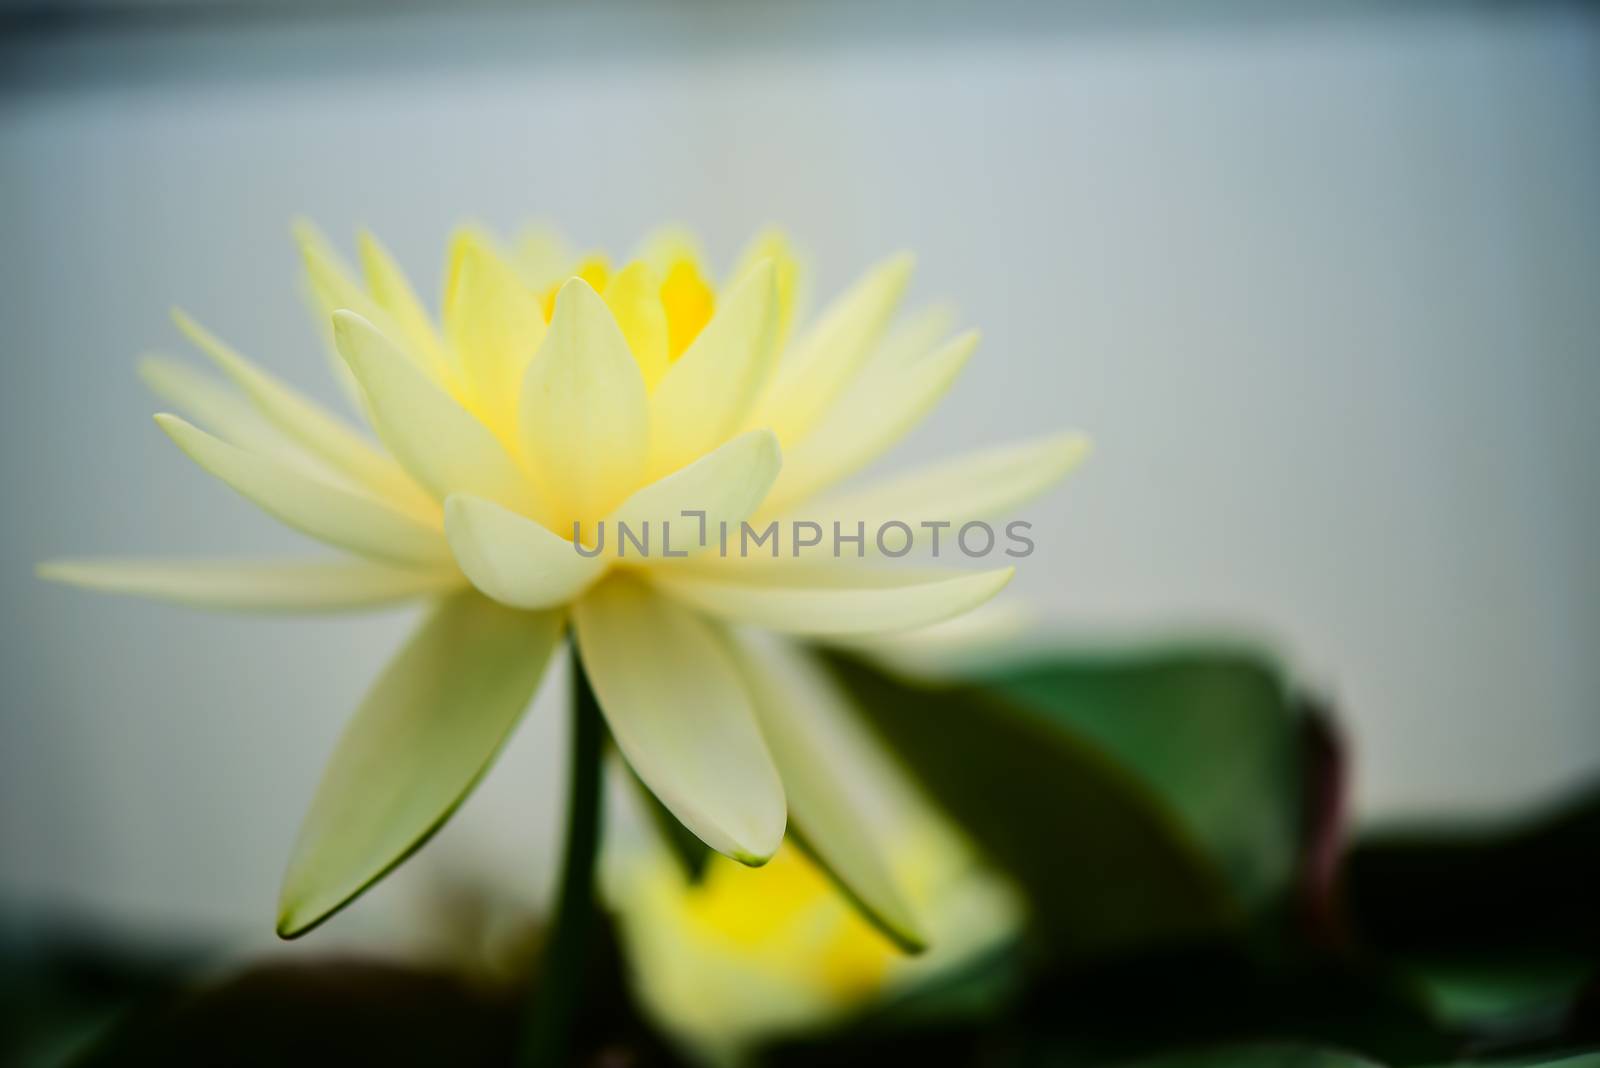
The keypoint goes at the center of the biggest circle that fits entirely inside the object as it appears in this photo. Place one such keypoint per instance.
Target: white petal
(976, 486)
(424, 735)
(803, 598)
(706, 396)
(583, 417)
(513, 559)
(867, 420)
(256, 586)
(681, 715)
(824, 362)
(438, 441)
(328, 513)
(320, 431)
(726, 485)
(829, 770)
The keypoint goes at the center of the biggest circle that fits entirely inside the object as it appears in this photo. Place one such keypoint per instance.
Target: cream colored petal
(724, 486)
(823, 363)
(513, 559)
(634, 297)
(326, 512)
(802, 598)
(331, 285)
(256, 586)
(976, 486)
(707, 395)
(584, 420)
(443, 446)
(911, 338)
(789, 277)
(681, 715)
(394, 294)
(867, 421)
(321, 314)
(493, 322)
(828, 773)
(423, 737)
(335, 284)
(320, 431)
(228, 413)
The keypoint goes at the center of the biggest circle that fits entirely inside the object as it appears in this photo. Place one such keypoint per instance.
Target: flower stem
(551, 1017)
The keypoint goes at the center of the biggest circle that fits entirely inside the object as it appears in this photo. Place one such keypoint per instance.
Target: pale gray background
(1323, 286)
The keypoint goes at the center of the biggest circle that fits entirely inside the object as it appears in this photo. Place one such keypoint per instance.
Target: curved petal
(911, 338)
(681, 715)
(423, 736)
(634, 297)
(867, 420)
(806, 598)
(584, 420)
(328, 513)
(256, 586)
(724, 486)
(320, 431)
(393, 292)
(823, 363)
(493, 323)
(789, 276)
(437, 440)
(971, 487)
(331, 285)
(828, 772)
(228, 413)
(513, 559)
(707, 395)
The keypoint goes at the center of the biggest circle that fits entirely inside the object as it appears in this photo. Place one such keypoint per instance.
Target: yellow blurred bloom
(747, 956)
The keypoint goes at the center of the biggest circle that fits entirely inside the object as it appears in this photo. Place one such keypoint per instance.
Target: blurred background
(1319, 279)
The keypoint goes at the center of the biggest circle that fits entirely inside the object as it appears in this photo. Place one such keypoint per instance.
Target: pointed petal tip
(348, 331)
(289, 928)
(1072, 447)
(53, 570)
(576, 286)
(305, 232)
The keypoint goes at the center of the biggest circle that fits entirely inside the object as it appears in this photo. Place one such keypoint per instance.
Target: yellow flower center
(686, 297)
(688, 301)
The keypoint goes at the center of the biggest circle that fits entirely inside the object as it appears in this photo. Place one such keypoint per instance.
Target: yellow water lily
(558, 395)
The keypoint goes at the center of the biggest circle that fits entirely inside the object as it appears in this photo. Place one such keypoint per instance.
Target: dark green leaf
(1212, 733)
(1106, 863)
